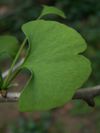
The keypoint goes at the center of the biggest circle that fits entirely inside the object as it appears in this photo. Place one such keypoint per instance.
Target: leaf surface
(1, 80)
(8, 46)
(51, 10)
(56, 62)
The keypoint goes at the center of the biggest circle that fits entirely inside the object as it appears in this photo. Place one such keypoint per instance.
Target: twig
(86, 94)
(15, 67)
(10, 97)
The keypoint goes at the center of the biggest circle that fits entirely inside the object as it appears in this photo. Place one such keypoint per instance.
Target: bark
(86, 94)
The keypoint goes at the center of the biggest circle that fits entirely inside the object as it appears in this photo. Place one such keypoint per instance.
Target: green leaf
(56, 62)
(51, 10)
(1, 80)
(8, 46)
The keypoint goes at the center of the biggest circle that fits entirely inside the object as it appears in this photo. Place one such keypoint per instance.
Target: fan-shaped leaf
(51, 10)
(55, 60)
(8, 45)
(1, 80)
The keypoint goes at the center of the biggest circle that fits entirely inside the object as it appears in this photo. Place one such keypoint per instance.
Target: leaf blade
(57, 65)
(8, 45)
(1, 80)
(51, 10)
(53, 92)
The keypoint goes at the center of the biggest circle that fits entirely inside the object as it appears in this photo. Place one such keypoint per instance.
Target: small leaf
(1, 80)
(8, 46)
(55, 61)
(51, 10)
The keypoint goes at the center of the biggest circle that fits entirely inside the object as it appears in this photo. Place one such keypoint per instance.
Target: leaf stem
(5, 84)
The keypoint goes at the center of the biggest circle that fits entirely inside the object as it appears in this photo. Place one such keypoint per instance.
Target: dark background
(76, 116)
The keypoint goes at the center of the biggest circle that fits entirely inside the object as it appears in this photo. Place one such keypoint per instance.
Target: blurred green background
(76, 116)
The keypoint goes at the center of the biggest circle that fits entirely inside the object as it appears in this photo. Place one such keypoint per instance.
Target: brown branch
(10, 97)
(86, 94)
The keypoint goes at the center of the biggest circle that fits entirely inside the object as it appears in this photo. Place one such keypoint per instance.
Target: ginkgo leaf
(56, 62)
(51, 10)
(8, 45)
(1, 80)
